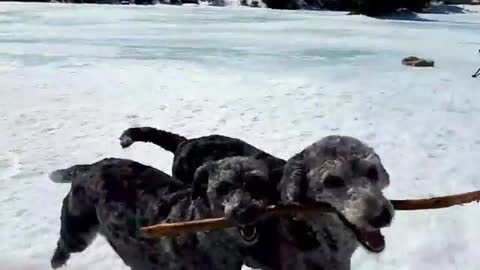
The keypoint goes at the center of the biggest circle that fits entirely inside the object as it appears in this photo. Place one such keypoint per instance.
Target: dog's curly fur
(339, 170)
(114, 197)
(189, 154)
(349, 175)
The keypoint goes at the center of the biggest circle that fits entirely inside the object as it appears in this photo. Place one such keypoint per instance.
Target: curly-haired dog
(327, 241)
(113, 197)
(349, 175)
(189, 154)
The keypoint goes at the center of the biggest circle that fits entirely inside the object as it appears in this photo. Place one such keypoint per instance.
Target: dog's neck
(184, 208)
(333, 248)
(220, 249)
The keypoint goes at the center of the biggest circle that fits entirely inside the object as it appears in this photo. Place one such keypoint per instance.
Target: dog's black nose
(246, 215)
(383, 219)
(251, 213)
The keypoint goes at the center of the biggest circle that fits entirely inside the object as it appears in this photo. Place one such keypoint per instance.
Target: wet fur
(114, 197)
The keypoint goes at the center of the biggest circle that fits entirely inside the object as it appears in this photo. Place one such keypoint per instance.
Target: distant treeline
(367, 7)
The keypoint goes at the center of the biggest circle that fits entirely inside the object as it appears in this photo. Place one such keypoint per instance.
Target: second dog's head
(237, 188)
(347, 174)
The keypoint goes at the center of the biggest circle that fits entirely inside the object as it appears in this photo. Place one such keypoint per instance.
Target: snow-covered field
(73, 77)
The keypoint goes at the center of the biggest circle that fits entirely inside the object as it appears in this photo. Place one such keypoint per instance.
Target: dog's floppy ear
(200, 180)
(293, 185)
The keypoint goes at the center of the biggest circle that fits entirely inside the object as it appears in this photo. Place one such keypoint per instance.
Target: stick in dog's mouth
(371, 240)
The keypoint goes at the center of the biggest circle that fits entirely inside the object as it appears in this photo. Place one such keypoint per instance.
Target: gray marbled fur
(114, 197)
(347, 174)
(316, 242)
(191, 153)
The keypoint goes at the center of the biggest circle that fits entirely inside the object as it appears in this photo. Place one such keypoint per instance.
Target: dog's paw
(59, 258)
(125, 141)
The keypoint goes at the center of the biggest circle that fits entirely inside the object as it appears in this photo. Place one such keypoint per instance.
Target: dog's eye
(332, 181)
(224, 188)
(372, 173)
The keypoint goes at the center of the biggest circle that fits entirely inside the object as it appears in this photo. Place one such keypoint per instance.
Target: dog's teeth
(248, 233)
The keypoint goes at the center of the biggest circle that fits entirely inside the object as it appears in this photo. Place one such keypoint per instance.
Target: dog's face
(237, 188)
(348, 175)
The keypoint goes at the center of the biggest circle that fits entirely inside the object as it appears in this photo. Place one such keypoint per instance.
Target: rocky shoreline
(366, 7)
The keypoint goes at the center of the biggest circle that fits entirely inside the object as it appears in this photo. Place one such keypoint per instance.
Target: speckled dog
(338, 170)
(349, 175)
(113, 197)
(189, 154)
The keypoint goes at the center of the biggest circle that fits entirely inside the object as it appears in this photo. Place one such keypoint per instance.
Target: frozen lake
(73, 77)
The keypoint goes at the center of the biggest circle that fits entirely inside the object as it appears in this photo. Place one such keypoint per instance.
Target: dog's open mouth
(248, 232)
(372, 240)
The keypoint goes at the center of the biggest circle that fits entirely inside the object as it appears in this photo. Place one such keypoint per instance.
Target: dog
(189, 154)
(347, 174)
(326, 242)
(115, 197)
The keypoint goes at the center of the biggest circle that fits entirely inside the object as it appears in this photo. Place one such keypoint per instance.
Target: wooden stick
(436, 202)
(171, 229)
(210, 224)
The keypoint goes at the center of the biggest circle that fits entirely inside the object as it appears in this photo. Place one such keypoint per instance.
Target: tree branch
(171, 229)
(436, 202)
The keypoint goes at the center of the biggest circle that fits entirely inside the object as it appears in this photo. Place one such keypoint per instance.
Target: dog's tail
(67, 175)
(167, 140)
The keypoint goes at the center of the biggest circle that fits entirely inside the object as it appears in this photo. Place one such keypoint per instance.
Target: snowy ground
(72, 77)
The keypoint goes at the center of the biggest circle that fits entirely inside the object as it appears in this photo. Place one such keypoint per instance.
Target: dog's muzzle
(371, 238)
(382, 220)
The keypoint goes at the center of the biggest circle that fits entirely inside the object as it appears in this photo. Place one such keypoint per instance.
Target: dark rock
(417, 62)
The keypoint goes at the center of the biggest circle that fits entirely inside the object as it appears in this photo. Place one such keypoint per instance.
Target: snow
(73, 77)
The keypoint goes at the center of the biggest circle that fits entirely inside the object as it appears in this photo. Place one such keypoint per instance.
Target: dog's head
(237, 188)
(347, 174)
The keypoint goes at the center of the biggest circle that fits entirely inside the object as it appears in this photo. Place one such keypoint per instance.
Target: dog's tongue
(373, 240)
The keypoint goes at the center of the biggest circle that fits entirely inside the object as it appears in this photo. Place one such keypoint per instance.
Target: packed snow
(73, 77)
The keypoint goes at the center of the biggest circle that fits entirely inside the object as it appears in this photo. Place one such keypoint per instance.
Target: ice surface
(73, 77)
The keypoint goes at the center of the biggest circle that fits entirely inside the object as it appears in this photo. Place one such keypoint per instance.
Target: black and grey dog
(347, 174)
(189, 154)
(114, 197)
(338, 170)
